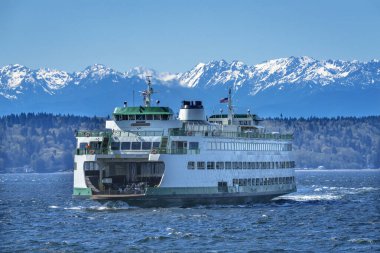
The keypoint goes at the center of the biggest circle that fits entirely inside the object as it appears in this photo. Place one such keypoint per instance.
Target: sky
(175, 35)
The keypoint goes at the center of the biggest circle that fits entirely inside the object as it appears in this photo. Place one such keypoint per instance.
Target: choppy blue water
(332, 211)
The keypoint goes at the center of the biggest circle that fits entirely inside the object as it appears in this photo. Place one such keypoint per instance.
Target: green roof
(142, 110)
(236, 116)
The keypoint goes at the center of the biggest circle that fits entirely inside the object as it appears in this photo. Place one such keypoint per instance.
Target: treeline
(334, 143)
(41, 142)
(45, 142)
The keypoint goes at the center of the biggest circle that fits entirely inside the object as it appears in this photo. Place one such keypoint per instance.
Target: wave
(108, 206)
(305, 198)
(325, 193)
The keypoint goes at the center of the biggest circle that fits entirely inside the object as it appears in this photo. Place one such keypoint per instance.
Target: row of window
(134, 145)
(90, 166)
(210, 165)
(249, 146)
(263, 181)
(142, 117)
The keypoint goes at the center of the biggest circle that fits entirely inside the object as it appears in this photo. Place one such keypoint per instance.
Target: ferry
(148, 156)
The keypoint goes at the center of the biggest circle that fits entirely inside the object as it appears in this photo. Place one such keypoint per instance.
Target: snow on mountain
(306, 70)
(143, 72)
(214, 73)
(11, 76)
(54, 79)
(95, 73)
(140, 72)
(279, 74)
(283, 72)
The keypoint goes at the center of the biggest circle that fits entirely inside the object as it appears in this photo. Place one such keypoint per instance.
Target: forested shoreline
(45, 142)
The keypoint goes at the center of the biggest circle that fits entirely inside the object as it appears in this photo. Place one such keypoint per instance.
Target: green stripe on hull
(82, 192)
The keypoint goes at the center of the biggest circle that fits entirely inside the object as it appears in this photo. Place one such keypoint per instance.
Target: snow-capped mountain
(278, 72)
(279, 83)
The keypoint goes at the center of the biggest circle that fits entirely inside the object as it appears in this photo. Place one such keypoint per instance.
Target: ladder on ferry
(164, 144)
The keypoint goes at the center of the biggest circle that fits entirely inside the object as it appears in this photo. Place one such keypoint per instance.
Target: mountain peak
(281, 73)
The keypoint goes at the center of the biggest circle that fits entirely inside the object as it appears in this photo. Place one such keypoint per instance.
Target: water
(332, 211)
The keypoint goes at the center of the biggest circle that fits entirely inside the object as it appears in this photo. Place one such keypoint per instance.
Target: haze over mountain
(294, 86)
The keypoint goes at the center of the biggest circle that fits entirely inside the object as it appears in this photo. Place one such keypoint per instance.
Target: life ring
(189, 133)
(87, 134)
(92, 152)
(154, 151)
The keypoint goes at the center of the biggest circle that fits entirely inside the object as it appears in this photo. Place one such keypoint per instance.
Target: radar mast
(230, 108)
(148, 92)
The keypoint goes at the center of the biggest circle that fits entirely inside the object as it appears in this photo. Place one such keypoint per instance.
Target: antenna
(148, 92)
(133, 96)
(230, 109)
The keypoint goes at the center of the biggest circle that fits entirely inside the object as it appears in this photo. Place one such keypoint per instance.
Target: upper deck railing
(105, 151)
(218, 133)
(181, 132)
(84, 133)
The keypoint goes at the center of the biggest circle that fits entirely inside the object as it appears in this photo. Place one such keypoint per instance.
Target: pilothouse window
(140, 117)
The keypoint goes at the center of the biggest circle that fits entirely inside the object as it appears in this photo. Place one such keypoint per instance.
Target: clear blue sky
(174, 35)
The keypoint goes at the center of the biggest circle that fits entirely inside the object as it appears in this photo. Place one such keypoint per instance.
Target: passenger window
(146, 145)
(190, 165)
(156, 144)
(125, 145)
(149, 117)
(132, 117)
(228, 165)
(220, 165)
(136, 145)
(115, 145)
(193, 145)
(200, 165)
(157, 117)
(210, 165)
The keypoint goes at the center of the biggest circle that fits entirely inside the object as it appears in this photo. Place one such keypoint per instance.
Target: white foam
(73, 208)
(305, 198)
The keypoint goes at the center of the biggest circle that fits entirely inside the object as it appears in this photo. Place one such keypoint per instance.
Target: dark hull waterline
(187, 200)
